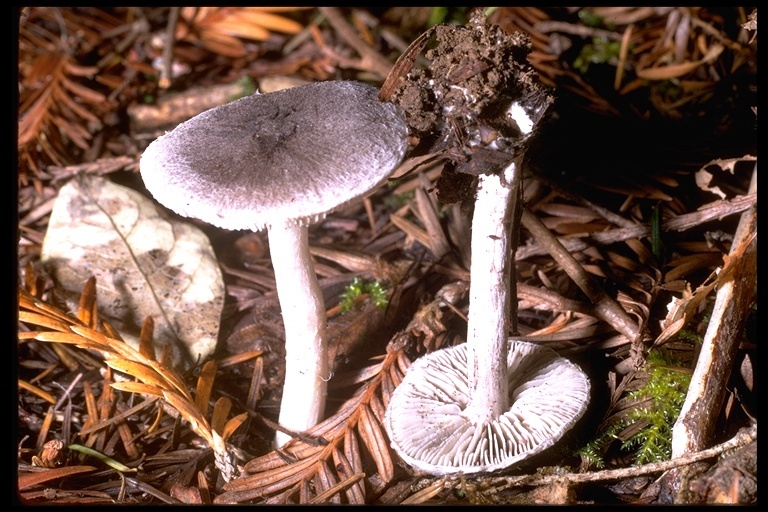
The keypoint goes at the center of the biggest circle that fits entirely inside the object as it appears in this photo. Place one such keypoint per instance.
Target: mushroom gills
(428, 428)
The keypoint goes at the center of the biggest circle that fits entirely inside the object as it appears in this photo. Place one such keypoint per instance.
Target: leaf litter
(201, 435)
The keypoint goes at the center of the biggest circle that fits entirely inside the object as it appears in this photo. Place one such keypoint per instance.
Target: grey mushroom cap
(287, 156)
(424, 419)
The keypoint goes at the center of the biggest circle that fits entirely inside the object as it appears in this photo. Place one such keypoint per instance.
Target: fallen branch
(606, 308)
(498, 484)
(695, 426)
(715, 210)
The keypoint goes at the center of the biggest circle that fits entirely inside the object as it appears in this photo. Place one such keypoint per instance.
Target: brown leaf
(325, 480)
(352, 451)
(187, 410)
(356, 492)
(267, 482)
(223, 44)
(375, 441)
(87, 72)
(204, 386)
(221, 27)
(27, 480)
(37, 391)
(67, 337)
(139, 371)
(350, 482)
(87, 311)
(146, 347)
(425, 494)
(185, 494)
(53, 99)
(678, 70)
(261, 17)
(83, 93)
(220, 412)
(232, 425)
(137, 387)
(42, 321)
(76, 133)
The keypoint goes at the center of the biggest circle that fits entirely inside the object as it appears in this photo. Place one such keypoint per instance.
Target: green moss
(589, 18)
(600, 51)
(454, 15)
(670, 90)
(690, 336)
(593, 451)
(359, 287)
(666, 389)
(395, 202)
(662, 398)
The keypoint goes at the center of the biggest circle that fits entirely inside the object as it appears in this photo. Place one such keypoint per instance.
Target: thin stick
(166, 75)
(497, 484)
(605, 307)
(378, 64)
(695, 426)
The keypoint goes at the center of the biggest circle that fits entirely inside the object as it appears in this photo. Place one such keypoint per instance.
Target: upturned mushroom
(435, 425)
(491, 402)
(283, 160)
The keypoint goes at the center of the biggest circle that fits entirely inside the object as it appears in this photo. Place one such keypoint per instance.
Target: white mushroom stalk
(488, 319)
(306, 347)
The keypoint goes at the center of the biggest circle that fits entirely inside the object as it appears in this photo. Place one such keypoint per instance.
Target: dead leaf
(704, 177)
(187, 495)
(219, 28)
(205, 386)
(27, 480)
(703, 180)
(145, 265)
(677, 70)
(682, 309)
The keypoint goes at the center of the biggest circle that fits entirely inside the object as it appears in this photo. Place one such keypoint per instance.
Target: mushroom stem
(489, 295)
(303, 308)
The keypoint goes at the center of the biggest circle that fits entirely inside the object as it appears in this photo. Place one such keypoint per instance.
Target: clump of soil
(459, 105)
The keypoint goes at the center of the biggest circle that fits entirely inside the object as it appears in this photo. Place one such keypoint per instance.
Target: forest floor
(641, 183)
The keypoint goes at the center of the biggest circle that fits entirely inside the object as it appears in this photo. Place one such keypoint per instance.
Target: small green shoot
(247, 87)
(103, 458)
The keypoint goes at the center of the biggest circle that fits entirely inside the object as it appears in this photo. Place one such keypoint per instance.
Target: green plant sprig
(359, 287)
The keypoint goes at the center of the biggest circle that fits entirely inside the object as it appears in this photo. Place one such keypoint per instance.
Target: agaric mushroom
(283, 160)
(491, 402)
(430, 426)
(464, 409)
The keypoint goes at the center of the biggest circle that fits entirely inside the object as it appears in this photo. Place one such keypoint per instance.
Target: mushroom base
(427, 426)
